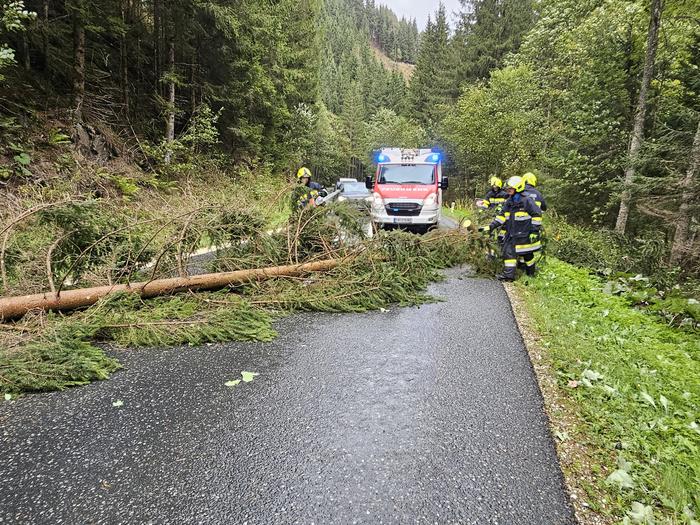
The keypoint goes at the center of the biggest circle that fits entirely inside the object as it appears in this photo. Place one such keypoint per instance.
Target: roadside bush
(601, 250)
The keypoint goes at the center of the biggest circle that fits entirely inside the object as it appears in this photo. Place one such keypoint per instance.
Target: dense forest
(399, 39)
(288, 81)
(598, 97)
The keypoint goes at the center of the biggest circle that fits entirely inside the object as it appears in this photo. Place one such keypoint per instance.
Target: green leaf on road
(231, 384)
(118, 403)
(248, 376)
(8, 397)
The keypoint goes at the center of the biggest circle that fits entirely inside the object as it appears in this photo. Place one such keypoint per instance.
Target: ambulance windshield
(407, 174)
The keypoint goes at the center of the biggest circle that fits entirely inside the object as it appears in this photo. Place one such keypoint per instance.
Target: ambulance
(407, 188)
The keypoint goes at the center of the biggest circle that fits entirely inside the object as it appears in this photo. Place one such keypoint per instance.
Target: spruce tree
(487, 32)
(431, 86)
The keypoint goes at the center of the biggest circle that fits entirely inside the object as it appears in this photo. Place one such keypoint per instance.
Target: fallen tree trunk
(15, 307)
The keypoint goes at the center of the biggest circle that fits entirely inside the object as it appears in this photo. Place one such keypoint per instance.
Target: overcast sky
(420, 9)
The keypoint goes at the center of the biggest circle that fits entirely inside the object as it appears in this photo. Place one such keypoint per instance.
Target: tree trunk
(170, 116)
(157, 23)
(124, 55)
(637, 139)
(26, 56)
(680, 239)
(45, 33)
(16, 307)
(78, 62)
(193, 79)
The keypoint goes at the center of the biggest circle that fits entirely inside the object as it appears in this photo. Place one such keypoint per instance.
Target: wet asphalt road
(421, 415)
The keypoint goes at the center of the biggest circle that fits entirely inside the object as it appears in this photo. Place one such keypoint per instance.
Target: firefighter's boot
(530, 265)
(509, 272)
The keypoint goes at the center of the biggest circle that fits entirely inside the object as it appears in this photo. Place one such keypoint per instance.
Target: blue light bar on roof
(435, 157)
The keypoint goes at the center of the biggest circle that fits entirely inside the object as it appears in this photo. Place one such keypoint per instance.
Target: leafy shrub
(674, 305)
(601, 250)
(127, 186)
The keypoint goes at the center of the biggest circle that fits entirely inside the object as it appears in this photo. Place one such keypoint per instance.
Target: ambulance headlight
(377, 201)
(431, 200)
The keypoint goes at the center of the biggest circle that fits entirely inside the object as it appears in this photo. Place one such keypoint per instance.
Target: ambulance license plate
(403, 220)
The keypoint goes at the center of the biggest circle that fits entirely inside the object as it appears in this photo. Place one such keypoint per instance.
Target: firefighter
(495, 196)
(532, 191)
(314, 189)
(536, 195)
(521, 220)
(304, 177)
(494, 202)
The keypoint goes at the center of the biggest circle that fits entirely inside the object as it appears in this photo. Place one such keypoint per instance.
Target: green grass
(459, 213)
(636, 384)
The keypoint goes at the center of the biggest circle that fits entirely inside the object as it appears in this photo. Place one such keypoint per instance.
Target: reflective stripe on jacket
(519, 218)
(494, 198)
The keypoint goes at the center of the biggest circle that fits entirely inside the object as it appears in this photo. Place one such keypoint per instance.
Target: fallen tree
(15, 307)
(45, 351)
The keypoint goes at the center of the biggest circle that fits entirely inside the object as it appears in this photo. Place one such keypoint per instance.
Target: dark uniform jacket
(536, 196)
(495, 198)
(519, 219)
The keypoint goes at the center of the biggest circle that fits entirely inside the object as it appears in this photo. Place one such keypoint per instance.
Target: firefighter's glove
(534, 237)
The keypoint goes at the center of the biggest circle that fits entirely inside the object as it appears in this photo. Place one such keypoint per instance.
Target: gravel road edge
(561, 416)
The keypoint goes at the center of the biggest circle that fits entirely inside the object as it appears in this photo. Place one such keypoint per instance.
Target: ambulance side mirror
(369, 183)
(445, 183)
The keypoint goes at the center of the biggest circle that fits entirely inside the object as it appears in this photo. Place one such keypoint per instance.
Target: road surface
(414, 415)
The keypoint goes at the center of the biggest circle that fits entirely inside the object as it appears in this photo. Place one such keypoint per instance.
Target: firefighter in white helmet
(521, 220)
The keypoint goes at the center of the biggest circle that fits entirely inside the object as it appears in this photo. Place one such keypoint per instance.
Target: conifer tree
(353, 117)
(431, 85)
(488, 30)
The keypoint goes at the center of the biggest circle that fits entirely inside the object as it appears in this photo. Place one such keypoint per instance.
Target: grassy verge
(634, 384)
(458, 214)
